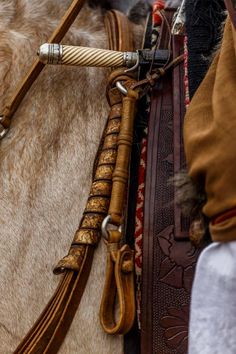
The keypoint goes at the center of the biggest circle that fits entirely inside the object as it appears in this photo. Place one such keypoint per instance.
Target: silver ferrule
(130, 59)
(50, 53)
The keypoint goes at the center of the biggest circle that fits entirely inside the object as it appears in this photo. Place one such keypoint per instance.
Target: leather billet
(169, 258)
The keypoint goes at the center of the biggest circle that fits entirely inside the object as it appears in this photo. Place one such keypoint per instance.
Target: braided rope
(83, 56)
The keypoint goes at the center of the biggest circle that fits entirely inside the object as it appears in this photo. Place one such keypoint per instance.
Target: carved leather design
(169, 258)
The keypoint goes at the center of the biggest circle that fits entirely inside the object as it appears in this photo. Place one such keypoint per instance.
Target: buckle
(121, 87)
(3, 131)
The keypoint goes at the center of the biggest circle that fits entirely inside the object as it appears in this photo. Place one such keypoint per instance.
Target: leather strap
(119, 283)
(119, 32)
(37, 66)
(120, 261)
(168, 256)
(119, 271)
(48, 333)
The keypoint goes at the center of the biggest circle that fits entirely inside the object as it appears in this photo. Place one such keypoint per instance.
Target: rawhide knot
(150, 79)
(161, 71)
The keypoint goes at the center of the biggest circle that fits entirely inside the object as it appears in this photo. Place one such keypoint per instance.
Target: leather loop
(119, 283)
(120, 263)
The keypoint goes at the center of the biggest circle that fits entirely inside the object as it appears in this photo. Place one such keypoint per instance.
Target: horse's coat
(45, 172)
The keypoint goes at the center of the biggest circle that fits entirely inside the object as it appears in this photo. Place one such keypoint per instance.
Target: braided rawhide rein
(89, 232)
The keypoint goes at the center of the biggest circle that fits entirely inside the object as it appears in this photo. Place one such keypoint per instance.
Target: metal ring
(105, 223)
(104, 226)
(121, 88)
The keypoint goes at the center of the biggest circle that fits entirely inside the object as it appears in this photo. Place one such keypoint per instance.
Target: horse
(46, 163)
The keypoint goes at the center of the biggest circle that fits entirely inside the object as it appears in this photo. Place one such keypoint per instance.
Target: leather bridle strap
(120, 259)
(48, 333)
(37, 66)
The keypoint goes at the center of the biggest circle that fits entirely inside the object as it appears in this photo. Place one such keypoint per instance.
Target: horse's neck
(64, 111)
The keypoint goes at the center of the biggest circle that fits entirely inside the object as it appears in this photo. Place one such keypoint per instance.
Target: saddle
(168, 254)
(169, 257)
